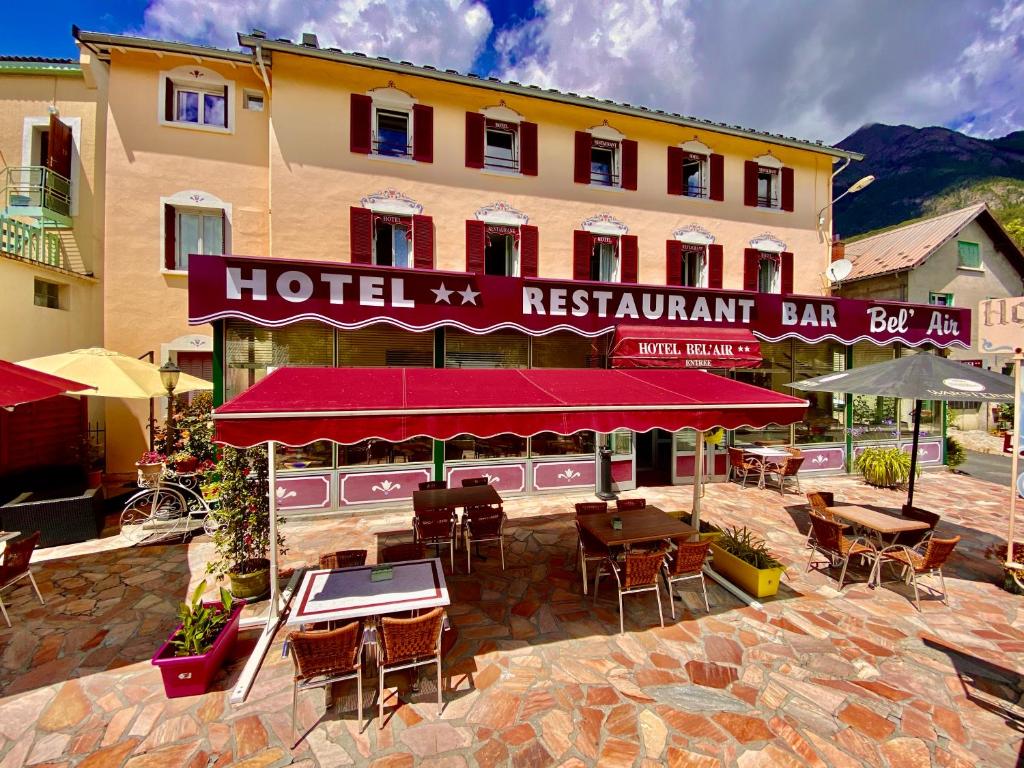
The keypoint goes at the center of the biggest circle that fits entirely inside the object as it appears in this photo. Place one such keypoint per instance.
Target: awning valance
(641, 346)
(297, 406)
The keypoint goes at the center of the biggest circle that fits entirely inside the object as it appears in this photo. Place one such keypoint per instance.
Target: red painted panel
(312, 492)
(564, 474)
(380, 487)
(507, 478)
(622, 471)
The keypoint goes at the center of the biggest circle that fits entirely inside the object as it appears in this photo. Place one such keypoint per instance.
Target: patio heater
(169, 373)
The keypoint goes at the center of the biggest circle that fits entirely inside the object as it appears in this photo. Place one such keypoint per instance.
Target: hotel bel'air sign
(275, 292)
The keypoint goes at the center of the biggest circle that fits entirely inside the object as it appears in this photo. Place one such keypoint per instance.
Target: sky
(814, 69)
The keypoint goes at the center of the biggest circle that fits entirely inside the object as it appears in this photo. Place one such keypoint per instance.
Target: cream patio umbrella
(113, 374)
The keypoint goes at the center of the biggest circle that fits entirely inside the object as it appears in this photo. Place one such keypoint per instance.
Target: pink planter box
(191, 675)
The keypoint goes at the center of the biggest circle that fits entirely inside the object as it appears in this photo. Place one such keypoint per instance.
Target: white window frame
(516, 166)
(197, 200)
(772, 164)
(202, 80)
(250, 96)
(703, 152)
(411, 238)
(702, 265)
(606, 225)
(696, 235)
(615, 167)
(512, 260)
(391, 99)
(202, 213)
(770, 257)
(616, 267)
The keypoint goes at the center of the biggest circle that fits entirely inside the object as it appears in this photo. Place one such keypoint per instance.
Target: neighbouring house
(957, 259)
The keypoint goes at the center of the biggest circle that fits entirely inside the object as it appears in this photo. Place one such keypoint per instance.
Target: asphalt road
(991, 467)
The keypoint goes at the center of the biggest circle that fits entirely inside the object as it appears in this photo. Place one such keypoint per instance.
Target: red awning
(645, 346)
(296, 406)
(19, 384)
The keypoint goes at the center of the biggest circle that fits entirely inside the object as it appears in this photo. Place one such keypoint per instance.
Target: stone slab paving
(539, 675)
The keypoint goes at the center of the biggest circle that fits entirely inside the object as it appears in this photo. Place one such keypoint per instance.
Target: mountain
(927, 171)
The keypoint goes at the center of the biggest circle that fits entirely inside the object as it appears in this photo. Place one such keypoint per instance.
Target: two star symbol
(444, 294)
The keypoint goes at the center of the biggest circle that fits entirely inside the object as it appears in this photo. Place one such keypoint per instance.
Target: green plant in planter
(751, 549)
(200, 624)
(884, 467)
(955, 454)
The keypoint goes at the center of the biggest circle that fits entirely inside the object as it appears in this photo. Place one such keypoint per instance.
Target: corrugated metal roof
(907, 246)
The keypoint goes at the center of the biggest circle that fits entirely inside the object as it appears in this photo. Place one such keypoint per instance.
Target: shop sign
(645, 347)
(1001, 326)
(275, 292)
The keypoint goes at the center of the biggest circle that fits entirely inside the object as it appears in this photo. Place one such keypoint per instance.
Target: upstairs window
(392, 134)
(695, 175)
(604, 161)
(197, 97)
(387, 122)
(968, 255)
(768, 273)
(501, 253)
(197, 231)
(392, 241)
(693, 266)
(46, 294)
(604, 259)
(940, 299)
(767, 183)
(501, 146)
(767, 187)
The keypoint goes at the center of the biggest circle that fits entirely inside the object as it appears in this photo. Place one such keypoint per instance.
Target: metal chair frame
(671, 579)
(588, 508)
(327, 681)
(18, 577)
(436, 516)
(468, 538)
(834, 555)
(636, 590)
(414, 663)
(910, 573)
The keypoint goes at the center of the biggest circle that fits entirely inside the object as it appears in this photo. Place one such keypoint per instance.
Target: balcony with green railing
(32, 242)
(36, 192)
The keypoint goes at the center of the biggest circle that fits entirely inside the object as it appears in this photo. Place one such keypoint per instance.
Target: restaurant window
(251, 351)
(693, 269)
(318, 455)
(604, 162)
(768, 187)
(769, 273)
(197, 231)
(565, 349)
(621, 442)
(46, 294)
(374, 451)
(940, 299)
(502, 349)
(931, 410)
(501, 146)
(501, 252)
(874, 418)
(968, 255)
(470, 448)
(385, 345)
(604, 259)
(553, 444)
(774, 373)
(825, 418)
(695, 175)
(392, 240)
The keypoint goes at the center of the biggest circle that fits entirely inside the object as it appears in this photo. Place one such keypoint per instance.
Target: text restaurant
(359, 438)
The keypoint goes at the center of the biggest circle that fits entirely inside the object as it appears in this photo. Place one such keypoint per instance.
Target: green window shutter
(969, 254)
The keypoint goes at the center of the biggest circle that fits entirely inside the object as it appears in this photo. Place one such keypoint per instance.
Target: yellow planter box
(755, 582)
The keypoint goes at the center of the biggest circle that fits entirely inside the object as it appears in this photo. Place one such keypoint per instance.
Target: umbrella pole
(275, 608)
(698, 480)
(913, 454)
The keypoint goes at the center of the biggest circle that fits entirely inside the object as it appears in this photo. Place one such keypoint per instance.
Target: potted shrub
(197, 647)
(744, 559)
(150, 467)
(242, 535)
(183, 462)
(884, 467)
(89, 456)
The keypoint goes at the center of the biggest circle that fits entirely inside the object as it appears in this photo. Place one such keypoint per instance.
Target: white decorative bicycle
(168, 505)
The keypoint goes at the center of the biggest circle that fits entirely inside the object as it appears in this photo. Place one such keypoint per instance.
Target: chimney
(838, 249)
(309, 40)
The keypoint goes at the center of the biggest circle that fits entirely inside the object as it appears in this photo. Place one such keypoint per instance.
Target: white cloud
(442, 33)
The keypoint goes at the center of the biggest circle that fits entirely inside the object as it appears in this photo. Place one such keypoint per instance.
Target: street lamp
(169, 374)
(857, 186)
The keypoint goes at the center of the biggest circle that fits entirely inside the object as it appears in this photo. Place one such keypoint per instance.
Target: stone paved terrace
(540, 676)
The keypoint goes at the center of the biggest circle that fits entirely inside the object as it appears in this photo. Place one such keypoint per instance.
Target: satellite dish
(839, 270)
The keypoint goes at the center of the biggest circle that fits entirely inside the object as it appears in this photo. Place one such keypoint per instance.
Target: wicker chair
(636, 573)
(409, 644)
(786, 470)
(684, 563)
(345, 558)
(483, 523)
(436, 527)
(744, 465)
(629, 505)
(820, 501)
(14, 567)
(433, 485)
(325, 657)
(399, 553)
(828, 539)
(470, 482)
(590, 550)
(925, 560)
(913, 538)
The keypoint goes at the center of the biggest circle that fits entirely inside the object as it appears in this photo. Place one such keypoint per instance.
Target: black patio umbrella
(916, 377)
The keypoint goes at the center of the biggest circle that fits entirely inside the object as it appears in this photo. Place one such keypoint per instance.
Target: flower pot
(753, 581)
(191, 675)
(94, 478)
(149, 474)
(186, 466)
(252, 584)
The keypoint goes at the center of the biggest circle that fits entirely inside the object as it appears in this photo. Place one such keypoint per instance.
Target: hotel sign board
(275, 292)
(1001, 326)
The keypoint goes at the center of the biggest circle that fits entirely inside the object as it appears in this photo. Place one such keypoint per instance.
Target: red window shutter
(675, 173)
(474, 140)
(786, 198)
(170, 233)
(168, 99)
(750, 183)
(715, 266)
(422, 133)
(629, 162)
(423, 242)
(476, 244)
(581, 170)
(786, 279)
(582, 250)
(716, 182)
(629, 258)
(529, 250)
(751, 261)
(528, 149)
(361, 138)
(361, 235)
(673, 261)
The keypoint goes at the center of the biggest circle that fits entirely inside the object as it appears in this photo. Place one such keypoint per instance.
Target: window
(604, 259)
(374, 451)
(501, 254)
(968, 255)
(46, 294)
(469, 447)
(694, 260)
(552, 444)
(940, 299)
(197, 232)
(198, 106)
(392, 139)
(253, 101)
(392, 241)
(501, 146)
(604, 158)
(695, 175)
(767, 187)
(768, 273)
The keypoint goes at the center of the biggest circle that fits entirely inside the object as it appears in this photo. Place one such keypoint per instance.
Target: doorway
(654, 458)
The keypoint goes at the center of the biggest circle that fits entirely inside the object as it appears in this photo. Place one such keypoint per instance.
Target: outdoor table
(638, 526)
(348, 593)
(765, 456)
(878, 523)
(473, 496)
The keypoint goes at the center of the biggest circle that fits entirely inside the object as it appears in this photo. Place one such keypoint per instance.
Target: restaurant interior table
(638, 526)
(473, 496)
(343, 594)
(879, 524)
